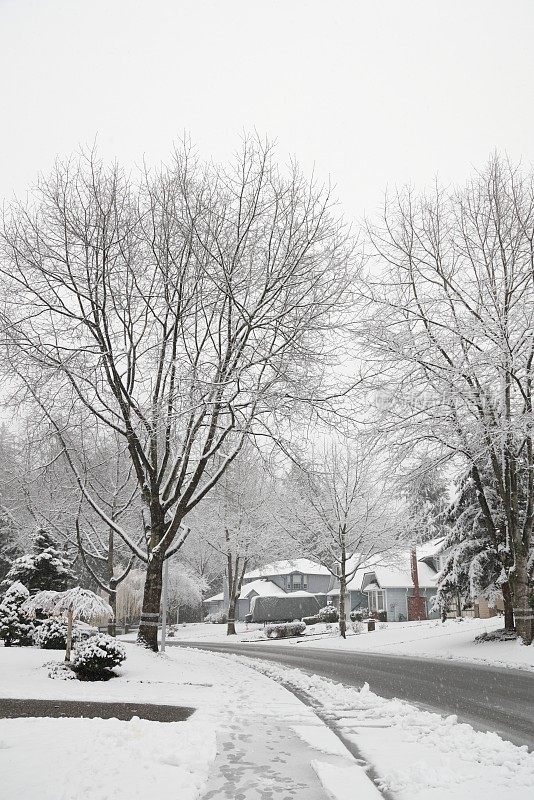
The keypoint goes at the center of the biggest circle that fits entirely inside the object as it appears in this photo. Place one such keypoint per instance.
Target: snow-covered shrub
(311, 620)
(328, 614)
(358, 615)
(285, 629)
(96, 657)
(217, 618)
(52, 634)
(358, 627)
(59, 670)
(16, 627)
(500, 635)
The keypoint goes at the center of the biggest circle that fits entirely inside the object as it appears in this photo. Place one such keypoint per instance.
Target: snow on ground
(208, 632)
(452, 639)
(417, 755)
(62, 759)
(248, 738)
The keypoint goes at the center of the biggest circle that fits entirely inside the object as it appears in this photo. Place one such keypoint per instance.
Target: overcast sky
(372, 93)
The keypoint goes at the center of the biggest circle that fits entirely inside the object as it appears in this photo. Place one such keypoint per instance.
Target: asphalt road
(16, 707)
(488, 698)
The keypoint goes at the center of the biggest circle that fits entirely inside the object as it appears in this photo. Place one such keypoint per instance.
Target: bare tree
(449, 314)
(52, 498)
(238, 522)
(198, 302)
(340, 511)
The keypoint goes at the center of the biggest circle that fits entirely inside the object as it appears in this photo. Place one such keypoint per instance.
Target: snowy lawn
(247, 731)
(208, 632)
(417, 755)
(429, 639)
(63, 759)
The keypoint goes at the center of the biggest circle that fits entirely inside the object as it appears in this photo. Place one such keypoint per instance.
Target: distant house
(274, 580)
(376, 586)
(382, 587)
(388, 588)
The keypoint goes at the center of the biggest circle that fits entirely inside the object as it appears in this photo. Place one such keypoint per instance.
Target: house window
(376, 600)
(297, 583)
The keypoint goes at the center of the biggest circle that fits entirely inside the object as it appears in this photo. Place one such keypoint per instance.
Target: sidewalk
(249, 739)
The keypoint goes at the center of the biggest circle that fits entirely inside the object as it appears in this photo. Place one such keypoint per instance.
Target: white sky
(374, 93)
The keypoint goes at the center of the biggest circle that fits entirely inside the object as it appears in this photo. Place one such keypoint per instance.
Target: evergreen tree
(479, 558)
(16, 627)
(427, 497)
(46, 567)
(9, 547)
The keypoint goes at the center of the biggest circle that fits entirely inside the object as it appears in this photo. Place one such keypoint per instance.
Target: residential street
(488, 698)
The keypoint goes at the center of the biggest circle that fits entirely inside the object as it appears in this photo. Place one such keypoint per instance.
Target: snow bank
(417, 754)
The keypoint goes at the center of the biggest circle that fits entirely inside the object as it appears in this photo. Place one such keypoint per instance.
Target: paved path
(262, 760)
(488, 698)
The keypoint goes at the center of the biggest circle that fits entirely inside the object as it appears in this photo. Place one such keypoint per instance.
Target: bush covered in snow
(285, 629)
(325, 614)
(217, 618)
(52, 634)
(16, 627)
(96, 657)
(500, 635)
(358, 615)
(328, 614)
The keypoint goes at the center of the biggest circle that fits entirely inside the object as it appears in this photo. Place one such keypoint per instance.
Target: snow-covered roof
(430, 549)
(214, 598)
(373, 586)
(261, 587)
(303, 565)
(400, 577)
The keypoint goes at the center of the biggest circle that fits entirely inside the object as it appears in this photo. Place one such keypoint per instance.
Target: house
(376, 586)
(274, 580)
(385, 587)
(388, 589)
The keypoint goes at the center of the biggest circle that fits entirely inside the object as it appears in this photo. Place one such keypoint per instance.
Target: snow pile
(418, 755)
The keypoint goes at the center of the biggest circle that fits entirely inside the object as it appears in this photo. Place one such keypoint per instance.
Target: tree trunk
(112, 599)
(342, 596)
(508, 607)
(69, 634)
(230, 630)
(523, 612)
(148, 629)
(343, 589)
